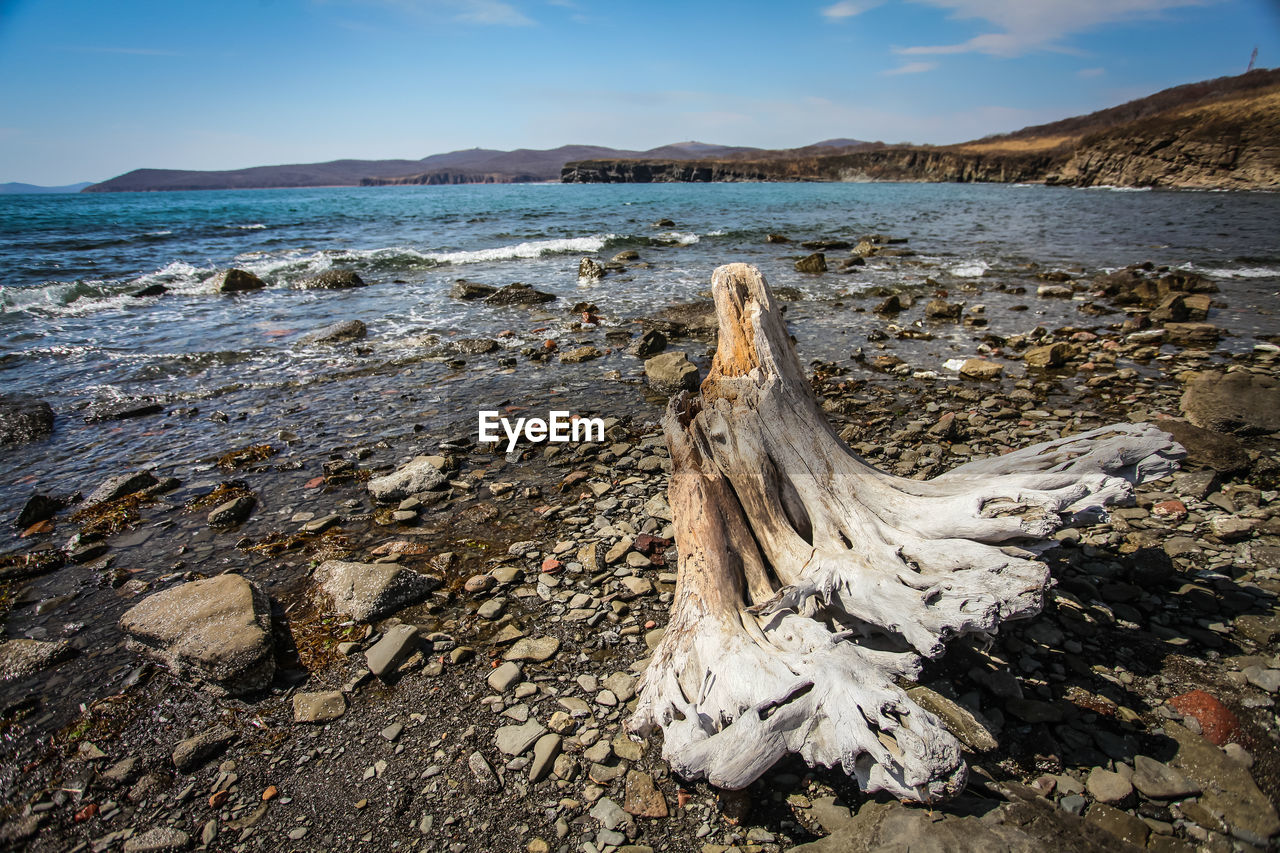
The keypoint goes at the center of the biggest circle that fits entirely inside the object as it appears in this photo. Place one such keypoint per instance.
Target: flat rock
(642, 798)
(368, 591)
(518, 294)
(1239, 402)
(215, 631)
(396, 645)
(157, 840)
(337, 333)
(120, 485)
(1226, 786)
(958, 720)
(419, 475)
(118, 409)
(581, 354)
(1108, 787)
(24, 418)
(191, 753)
(22, 657)
(1159, 781)
(318, 707)
(610, 814)
(514, 740)
(535, 649)
(463, 289)
(1122, 825)
(485, 778)
(980, 368)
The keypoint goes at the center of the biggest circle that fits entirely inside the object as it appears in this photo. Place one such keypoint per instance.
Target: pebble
(504, 676)
(1108, 787)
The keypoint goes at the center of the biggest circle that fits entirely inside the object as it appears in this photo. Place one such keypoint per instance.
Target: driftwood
(810, 583)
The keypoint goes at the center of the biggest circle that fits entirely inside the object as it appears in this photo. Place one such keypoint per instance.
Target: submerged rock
(463, 289)
(332, 280)
(649, 344)
(237, 281)
(120, 409)
(518, 294)
(121, 485)
(24, 419)
(215, 631)
(368, 591)
(336, 333)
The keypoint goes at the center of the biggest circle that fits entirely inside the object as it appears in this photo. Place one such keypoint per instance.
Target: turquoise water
(72, 333)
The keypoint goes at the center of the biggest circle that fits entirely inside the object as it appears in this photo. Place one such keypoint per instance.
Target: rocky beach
(284, 600)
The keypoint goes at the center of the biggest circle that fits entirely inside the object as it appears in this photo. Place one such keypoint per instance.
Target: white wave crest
(680, 238)
(970, 269)
(1242, 272)
(530, 249)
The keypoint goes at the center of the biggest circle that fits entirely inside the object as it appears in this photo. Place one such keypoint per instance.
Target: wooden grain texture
(810, 584)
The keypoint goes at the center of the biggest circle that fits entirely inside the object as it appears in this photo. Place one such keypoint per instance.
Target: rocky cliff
(885, 164)
(1234, 144)
(1215, 134)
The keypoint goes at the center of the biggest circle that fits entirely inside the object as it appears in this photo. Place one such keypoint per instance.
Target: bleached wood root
(810, 583)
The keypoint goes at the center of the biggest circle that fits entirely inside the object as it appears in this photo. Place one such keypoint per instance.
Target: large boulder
(237, 281)
(422, 474)
(368, 591)
(1240, 402)
(24, 418)
(671, 372)
(215, 631)
(1215, 450)
(332, 280)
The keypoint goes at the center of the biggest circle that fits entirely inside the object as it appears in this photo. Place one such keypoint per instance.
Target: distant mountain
(1221, 133)
(474, 165)
(17, 188)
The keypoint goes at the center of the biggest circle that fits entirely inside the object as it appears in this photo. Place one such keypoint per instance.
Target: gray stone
(396, 645)
(1264, 679)
(368, 591)
(1108, 787)
(485, 778)
(419, 475)
(232, 512)
(21, 657)
(671, 372)
(1159, 781)
(590, 268)
(190, 754)
(492, 608)
(157, 840)
(341, 332)
(609, 814)
(504, 676)
(621, 685)
(535, 649)
(119, 486)
(545, 752)
(318, 707)
(216, 631)
(514, 740)
(1122, 825)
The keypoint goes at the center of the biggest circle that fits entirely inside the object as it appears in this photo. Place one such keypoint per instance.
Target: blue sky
(89, 90)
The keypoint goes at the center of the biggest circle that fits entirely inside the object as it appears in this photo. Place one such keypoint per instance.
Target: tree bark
(810, 584)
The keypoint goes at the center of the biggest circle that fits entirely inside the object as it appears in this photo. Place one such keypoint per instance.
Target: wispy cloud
(910, 68)
(1091, 72)
(848, 9)
(482, 12)
(1027, 26)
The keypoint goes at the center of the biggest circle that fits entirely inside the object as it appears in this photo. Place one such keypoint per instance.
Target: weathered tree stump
(810, 583)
